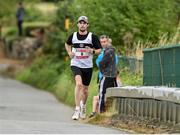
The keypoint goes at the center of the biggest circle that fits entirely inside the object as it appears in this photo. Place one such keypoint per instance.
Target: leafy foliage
(125, 21)
(8, 10)
(43, 73)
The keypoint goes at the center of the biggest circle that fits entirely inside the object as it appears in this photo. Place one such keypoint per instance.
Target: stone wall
(22, 48)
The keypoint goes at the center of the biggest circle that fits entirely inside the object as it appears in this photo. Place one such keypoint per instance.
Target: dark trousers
(20, 29)
(105, 83)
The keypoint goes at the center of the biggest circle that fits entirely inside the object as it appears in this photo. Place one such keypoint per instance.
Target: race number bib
(81, 53)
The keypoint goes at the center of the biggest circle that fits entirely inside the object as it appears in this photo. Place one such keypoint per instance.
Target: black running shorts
(85, 73)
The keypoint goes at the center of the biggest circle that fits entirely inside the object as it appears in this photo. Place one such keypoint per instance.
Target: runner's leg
(78, 89)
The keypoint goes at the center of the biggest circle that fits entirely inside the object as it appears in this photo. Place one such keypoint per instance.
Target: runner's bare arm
(69, 50)
(93, 51)
(97, 51)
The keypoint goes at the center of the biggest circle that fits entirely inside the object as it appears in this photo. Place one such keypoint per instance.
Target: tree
(141, 19)
(125, 21)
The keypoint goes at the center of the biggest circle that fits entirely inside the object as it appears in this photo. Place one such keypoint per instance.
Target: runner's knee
(79, 85)
(85, 92)
(96, 98)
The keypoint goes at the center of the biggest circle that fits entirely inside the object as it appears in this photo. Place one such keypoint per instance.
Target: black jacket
(108, 63)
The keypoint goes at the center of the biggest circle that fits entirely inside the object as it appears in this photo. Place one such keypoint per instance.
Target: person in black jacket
(20, 16)
(109, 71)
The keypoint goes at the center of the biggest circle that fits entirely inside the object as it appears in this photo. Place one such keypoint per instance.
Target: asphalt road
(24, 109)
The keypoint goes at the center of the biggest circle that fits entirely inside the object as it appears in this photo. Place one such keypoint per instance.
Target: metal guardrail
(133, 64)
(161, 66)
(159, 103)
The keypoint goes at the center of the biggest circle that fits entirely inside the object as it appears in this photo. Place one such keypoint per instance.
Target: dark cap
(83, 18)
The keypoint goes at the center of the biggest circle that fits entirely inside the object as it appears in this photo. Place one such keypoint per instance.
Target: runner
(81, 46)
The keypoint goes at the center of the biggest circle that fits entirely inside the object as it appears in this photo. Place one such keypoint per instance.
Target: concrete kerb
(158, 93)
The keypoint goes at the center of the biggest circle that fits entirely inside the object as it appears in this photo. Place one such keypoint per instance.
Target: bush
(10, 32)
(125, 21)
(64, 88)
(43, 73)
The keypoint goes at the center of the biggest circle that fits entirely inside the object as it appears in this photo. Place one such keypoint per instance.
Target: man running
(81, 46)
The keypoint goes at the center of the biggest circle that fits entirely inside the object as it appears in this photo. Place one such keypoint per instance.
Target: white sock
(81, 103)
(77, 108)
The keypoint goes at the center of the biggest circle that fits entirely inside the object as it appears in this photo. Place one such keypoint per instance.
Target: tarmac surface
(24, 109)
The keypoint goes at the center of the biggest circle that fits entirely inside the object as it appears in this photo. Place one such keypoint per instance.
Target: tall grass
(44, 74)
(164, 40)
(64, 88)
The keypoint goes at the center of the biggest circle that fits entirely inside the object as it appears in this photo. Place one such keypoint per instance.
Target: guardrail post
(169, 112)
(174, 113)
(150, 108)
(122, 106)
(137, 108)
(141, 108)
(125, 106)
(159, 107)
(164, 111)
(155, 110)
(129, 107)
(146, 108)
(133, 107)
(178, 113)
(116, 105)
